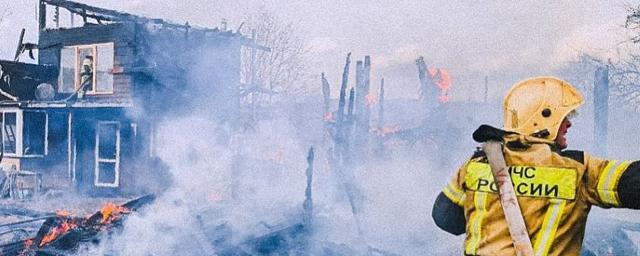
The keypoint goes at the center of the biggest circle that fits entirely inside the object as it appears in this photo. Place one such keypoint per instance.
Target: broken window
(107, 171)
(86, 68)
(9, 132)
(34, 133)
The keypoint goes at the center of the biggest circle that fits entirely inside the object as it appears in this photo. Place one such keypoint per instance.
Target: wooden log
(343, 88)
(307, 206)
(360, 106)
(350, 112)
(360, 97)
(427, 92)
(381, 105)
(508, 199)
(380, 140)
(19, 50)
(326, 94)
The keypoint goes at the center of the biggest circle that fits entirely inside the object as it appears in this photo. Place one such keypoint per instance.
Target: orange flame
(327, 117)
(370, 99)
(27, 245)
(387, 130)
(111, 212)
(60, 229)
(63, 213)
(442, 79)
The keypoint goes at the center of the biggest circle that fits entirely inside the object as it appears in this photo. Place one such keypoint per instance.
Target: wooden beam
(42, 15)
(343, 88)
(326, 95)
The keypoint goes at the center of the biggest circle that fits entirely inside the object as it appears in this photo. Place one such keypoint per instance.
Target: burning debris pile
(63, 233)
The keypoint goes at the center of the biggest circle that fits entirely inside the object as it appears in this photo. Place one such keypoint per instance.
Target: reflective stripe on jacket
(555, 193)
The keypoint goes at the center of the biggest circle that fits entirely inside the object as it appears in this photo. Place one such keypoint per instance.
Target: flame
(27, 245)
(327, 117)
(387, 130)
(111, 212)
(432, 72)
(60, 229)
(370, 99)
(442, 79)
(63, 213)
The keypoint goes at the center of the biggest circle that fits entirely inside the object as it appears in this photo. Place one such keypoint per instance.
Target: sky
(504, 40)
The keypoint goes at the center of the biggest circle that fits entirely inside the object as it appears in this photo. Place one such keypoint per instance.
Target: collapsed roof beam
(98, 13)
(102, 14)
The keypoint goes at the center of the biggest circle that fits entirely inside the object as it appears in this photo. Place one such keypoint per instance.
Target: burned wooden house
(86, 115)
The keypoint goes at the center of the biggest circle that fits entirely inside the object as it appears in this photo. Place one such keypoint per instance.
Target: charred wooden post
(307, 206)
(367, 85)
(326, 94)
(601, 109)
(346, 132)
(343, 88)
(428, 92)
(362, 109)
(365, 113)
(42, 15)
(360, 97)
(350, 112)
(341, 153)
(380, 140)
(19, 49)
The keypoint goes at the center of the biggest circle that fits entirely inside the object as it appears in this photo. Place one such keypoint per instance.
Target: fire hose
(491, 145)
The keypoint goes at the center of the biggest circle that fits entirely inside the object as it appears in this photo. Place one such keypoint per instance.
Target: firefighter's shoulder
(576, 155)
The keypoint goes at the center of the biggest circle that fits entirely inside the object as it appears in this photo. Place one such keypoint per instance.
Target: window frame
(46, 133)
(61, 70)
(77, 77)
(19, 132)
(99, 160)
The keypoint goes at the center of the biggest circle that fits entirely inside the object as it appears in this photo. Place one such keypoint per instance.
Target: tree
(624, 68)
(624, 71)
(580, 72)
(277, 74)
(4, 13)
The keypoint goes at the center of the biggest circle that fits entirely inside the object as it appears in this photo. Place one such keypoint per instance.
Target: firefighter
(86, 82)
(555, 187)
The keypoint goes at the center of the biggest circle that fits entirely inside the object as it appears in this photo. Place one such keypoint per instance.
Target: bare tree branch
(281, 71)
(4, 13)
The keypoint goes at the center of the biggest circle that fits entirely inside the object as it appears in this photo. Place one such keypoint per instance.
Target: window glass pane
(104, 68)
(34, 133)
(9, 133)
(85, 68)
(107, 141)
(66, 82)
(106, 173)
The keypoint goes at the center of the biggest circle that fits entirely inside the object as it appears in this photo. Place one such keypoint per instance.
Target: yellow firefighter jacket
(555, 194)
